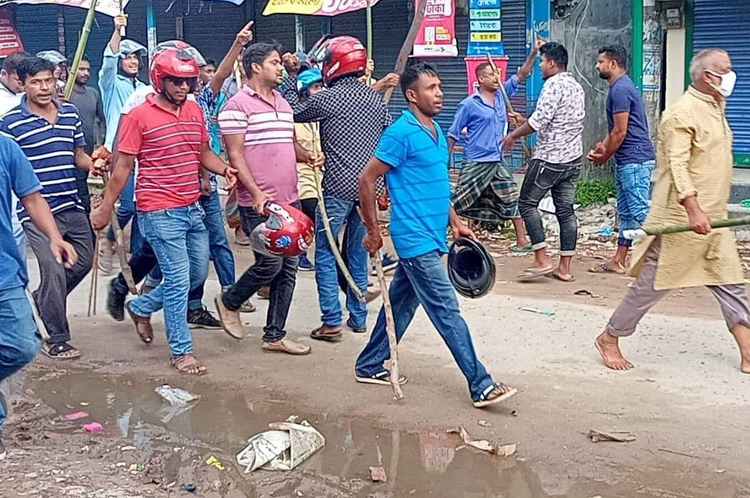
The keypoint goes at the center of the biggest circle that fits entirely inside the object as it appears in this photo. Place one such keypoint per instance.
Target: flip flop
(533, 273)
(482, 403)
(521, 250)
(605, 268)
(318, 336)
(381, 379)
(557, 276)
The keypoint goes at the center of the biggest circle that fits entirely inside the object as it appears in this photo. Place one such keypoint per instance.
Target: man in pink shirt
(258, 129)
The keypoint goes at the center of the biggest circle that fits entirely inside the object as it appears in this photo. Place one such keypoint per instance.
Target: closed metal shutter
(101, 31)
(278, 28)
(724, 25)
(212, 29)
(37, 25)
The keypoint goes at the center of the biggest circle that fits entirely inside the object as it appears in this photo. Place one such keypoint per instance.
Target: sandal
(606, 268)
(494, 395)
(556, 275)
(521, 250)
(381, 379)
(318, 335)
(533, 273)
(60, 351)
(142, 325)
(188, 364)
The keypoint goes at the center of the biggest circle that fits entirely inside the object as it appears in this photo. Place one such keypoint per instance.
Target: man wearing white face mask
(694, 161)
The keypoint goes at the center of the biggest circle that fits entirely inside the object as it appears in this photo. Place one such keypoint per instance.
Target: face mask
(728, 81)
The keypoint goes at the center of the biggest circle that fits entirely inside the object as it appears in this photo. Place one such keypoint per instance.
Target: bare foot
(745, 366)
(741, 334)
(608, 347)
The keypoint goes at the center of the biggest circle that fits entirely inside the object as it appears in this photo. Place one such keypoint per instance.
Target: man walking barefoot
(695, 174)
(413, 156)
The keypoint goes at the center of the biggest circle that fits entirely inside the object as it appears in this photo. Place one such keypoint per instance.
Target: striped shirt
(168, 148)
(269, 143)
(50, 148)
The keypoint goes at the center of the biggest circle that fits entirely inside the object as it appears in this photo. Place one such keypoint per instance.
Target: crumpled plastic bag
(180, 401)
(284, 447)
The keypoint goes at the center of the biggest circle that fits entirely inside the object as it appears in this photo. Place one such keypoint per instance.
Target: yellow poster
(315, 7)
(486, 37)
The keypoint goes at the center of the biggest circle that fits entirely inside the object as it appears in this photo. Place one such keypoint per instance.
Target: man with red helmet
(168, 136)
(258, 129)
(352, 117)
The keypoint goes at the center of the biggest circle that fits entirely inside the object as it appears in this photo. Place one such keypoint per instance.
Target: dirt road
(686, 403)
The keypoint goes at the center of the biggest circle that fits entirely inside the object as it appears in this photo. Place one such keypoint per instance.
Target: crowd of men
(278, 127)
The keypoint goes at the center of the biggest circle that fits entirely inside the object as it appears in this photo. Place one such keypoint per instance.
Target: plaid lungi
(486, 192)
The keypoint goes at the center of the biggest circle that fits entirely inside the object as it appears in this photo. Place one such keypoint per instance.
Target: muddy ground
(686, 403)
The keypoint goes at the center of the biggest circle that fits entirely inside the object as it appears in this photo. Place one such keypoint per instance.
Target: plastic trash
(76, 415)
(93, 427)
(284, 447)
(180, 401)
(215, 462)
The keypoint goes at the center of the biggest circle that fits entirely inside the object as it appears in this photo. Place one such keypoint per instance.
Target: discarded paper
(534, 310)
(484, 445)
(180, 401)
(215, 462)
(284, 447)
(377, 474)
(616, 437)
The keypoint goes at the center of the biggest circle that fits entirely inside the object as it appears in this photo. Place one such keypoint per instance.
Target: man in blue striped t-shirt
(51, 135)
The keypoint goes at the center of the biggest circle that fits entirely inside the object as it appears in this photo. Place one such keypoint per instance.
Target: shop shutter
(212, 27)
(278, 27)
(724, 25)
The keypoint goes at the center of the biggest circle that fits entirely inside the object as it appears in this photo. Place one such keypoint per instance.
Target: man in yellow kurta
(694, 160)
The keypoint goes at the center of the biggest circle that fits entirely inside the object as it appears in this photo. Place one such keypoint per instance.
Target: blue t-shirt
(50, 147)
(17, 176)
(624, 97)
(418, 185)
(485, 125)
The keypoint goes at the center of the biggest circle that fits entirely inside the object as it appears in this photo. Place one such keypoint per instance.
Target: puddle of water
(418, 464)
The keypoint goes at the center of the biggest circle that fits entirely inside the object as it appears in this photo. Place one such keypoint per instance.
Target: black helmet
(470, 268)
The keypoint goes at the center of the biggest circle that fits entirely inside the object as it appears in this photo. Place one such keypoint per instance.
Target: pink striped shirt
(168, 148)
(269, 143)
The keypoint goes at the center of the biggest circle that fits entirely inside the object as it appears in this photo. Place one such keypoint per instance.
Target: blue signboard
(484, 26)
(484, 4)
(485, 33)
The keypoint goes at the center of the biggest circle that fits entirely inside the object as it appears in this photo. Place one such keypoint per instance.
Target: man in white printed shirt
(556, 165)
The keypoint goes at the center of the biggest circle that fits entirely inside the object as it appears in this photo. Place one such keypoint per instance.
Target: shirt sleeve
(313, 109)
(620, 100)
(549, 101)
(391, 149)
(460, 121)
(512, 85)
(232, 119)
(23, 179)
(80, 140)
(129, 135)
(677, 134)
(108, 71)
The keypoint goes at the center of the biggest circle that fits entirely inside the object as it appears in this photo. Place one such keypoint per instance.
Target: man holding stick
(486, 189)
(695, 175)
(413, 156)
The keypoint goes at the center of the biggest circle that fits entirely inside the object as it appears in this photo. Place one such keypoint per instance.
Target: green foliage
(590, 192)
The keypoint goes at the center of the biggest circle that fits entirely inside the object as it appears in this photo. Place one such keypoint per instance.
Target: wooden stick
(122, 256)
(94, 275)
(390, 328)
(508, 104)
(406, 48)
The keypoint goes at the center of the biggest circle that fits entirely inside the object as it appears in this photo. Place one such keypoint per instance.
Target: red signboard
(437, 34)
(471, 68)
(10, 41)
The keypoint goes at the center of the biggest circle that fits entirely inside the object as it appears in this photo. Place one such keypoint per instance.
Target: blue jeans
(19, 338)
(179, 239)
(126, 209)
(424, 281)
(340, 211)
(633, 183)
(218, 245)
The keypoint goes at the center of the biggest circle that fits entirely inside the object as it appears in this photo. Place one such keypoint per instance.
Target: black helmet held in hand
(470, 268)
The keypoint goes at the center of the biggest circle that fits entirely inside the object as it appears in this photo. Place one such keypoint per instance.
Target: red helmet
(342, 55)
(287, 232)
(171, 62)
(182, 45)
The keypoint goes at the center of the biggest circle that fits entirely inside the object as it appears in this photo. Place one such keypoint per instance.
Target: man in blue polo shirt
(486, 190)
(413, 156)
(19, 339)
(50, 134)
(630, 144)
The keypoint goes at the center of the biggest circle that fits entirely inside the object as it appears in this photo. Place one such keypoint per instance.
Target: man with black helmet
(413, 156)
(352, 117)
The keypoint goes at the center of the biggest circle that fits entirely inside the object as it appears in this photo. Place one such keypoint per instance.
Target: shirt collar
(253, 93)
(412, 119)
(702, 96)
(25, 108)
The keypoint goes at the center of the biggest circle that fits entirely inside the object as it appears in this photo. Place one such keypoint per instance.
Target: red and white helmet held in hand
(175, 63)
(287, 232)
(340, 56)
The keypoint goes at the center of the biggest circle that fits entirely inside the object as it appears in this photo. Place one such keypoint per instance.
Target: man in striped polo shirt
(50, 134)
(258, 128)
(168, 136)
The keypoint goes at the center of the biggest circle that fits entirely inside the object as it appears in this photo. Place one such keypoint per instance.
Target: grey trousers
(641, 297)
(56, 280)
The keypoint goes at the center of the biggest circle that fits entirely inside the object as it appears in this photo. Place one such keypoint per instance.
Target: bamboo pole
(80, 49)
(508, 104)
(369, 29)
(644, 232)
